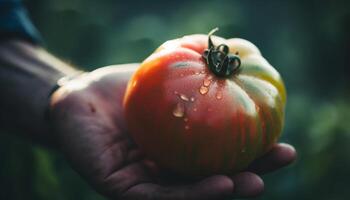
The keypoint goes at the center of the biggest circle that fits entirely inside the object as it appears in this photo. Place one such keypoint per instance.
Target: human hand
(87, 117)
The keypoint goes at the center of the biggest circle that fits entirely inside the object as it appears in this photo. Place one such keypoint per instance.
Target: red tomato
(200, 106)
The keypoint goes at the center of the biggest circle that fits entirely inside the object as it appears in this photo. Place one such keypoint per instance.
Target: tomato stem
(218, 59)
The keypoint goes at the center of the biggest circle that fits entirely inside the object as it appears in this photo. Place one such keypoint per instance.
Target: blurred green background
(308, 42)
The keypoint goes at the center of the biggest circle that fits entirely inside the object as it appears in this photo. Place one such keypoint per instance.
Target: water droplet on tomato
(218, 95)
(206, 82)
(203, 90)
(195, 109)
(192, 99)
(202, 72)
(185, 119)
(184, 97)
(179, 110)
(197, 73)
(187, 127)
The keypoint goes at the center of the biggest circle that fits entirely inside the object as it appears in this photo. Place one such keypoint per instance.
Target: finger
(247, 184)
(279, 156)
(215, 187)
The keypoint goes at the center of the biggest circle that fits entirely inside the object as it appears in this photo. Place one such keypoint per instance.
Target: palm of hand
(88, 121)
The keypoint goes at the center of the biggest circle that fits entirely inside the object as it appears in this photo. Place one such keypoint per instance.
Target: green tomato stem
(218, 59)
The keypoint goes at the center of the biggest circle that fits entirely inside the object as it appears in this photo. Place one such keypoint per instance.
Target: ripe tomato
(202, 105)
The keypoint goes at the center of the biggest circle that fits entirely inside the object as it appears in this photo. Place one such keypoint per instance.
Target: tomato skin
(192, 122)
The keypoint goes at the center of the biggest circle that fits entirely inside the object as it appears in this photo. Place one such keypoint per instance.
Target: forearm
(27, 76)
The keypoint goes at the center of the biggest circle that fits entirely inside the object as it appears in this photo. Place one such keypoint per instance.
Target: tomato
(202, 105)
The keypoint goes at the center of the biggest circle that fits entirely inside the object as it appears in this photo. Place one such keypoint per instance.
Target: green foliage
(307, 41)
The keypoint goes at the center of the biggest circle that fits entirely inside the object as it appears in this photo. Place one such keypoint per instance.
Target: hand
(87, 117)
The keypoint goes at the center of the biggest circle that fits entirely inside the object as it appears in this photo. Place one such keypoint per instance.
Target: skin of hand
(87, 119)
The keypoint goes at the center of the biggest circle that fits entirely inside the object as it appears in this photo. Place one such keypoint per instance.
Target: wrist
(61, 100)
(54, 84)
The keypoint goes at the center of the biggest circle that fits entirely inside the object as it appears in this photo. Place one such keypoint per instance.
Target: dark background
(308, 42)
